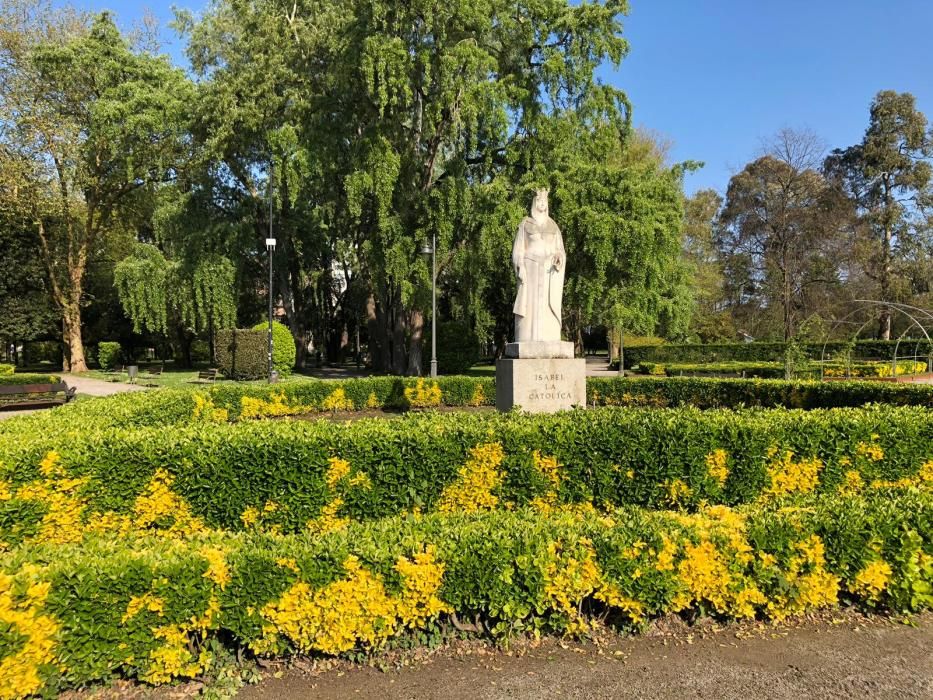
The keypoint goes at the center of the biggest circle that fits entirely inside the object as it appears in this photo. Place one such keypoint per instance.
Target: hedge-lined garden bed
(776, 370)
(771, 352)
(166, 598)
(229, 402)
(154, 535)
(314, 472)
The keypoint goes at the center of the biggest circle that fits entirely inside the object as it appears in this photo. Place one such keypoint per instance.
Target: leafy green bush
(242, 354)
(157, 602)
(705, 392)
(606, 456)
(458, 348)
(28, 378)
(776, 370)
(6, 370)
(283, 347)
(770, 352)
(108, 354)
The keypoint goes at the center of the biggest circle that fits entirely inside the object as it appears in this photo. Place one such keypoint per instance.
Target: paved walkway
(98, 387)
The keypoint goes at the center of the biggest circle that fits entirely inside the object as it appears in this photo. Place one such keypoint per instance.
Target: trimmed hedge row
(705, 392)
(27, 378)
(6, 369)
(162, 606)
(776, 370)
(768, 352)
(226, 401)
(242, 354)
(607, 457)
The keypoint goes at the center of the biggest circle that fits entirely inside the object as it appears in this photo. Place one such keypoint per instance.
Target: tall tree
(395, 112)
(93, 124)
(770, 225)
(710, 322)
(889, 179)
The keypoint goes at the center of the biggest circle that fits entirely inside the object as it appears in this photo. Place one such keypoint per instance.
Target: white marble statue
(539, 259)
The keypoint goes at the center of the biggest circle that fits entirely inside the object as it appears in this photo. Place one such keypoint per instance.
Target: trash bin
(132, 372)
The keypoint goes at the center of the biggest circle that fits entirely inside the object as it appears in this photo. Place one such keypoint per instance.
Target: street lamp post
(270, 247)
(431, 249)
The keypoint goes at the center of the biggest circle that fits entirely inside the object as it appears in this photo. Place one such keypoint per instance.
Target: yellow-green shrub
(156, 603)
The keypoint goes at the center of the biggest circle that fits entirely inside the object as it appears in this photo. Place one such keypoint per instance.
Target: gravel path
(847, 657)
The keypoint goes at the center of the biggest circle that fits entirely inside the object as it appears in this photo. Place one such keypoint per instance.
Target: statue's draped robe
(540, 289)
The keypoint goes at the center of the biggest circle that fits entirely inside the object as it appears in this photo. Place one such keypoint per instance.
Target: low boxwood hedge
(776, 370)
(28, 378)
(163, 602)
(771, 352)
(374, 468)
(706, 392)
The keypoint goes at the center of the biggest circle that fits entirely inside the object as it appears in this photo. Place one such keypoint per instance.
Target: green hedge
(605, 457)
(6, 370)
(242, 354)
(768, 352)
(28, 378)
(283, 348)
(108, 354)
(776, 370)
(704, 392)
(156, 608)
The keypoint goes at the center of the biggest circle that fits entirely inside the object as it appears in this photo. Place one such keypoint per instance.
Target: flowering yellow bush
(337, 401)
(423, 394)
(788, 476)
(205, 410)
(476, 482)
(21, 614)
(355, 609)
(716, 465)
(276, 406)
(871, 581)
(479, 396)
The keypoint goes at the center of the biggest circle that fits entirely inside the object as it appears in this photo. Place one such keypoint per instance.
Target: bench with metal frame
(36, 395)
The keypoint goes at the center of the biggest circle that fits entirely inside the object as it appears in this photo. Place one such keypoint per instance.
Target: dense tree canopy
(355, 132)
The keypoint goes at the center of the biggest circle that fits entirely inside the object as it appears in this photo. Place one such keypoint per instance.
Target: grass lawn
(181, 378)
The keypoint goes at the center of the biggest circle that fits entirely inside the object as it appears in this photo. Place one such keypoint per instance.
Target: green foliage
(6, 370)
(458, 348)
(155, 291)
(108, 354)
(702, 392)
(607, 455)
(506, 569)
(28, 378)
(770, 352)
(283, 347)
(242, 354)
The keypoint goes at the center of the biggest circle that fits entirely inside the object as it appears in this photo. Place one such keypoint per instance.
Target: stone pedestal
(540, 385)
(538, 349)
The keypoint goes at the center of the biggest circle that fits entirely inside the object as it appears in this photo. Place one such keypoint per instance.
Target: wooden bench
(206, 376)
(36, 395)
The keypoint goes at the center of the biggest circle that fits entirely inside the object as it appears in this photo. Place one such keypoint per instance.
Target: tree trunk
(398, 343)
(884, 318)
(415, 343)
(377, 337)
(71, 332)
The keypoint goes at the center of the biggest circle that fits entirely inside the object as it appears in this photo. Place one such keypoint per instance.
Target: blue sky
(717, 77)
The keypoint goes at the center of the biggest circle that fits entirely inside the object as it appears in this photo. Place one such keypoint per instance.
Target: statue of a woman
(538, 257)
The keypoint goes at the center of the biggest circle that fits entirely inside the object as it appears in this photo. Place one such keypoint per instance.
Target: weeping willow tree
(160, 295)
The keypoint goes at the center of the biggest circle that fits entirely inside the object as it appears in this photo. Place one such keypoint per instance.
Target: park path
(838, 656)
(98, 387)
